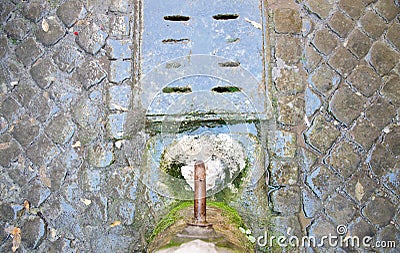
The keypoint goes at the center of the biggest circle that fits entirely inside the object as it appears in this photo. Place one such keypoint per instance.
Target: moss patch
(224, 218)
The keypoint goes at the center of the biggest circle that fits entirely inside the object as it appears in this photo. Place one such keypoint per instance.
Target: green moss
(177, 90)
(173, 216)
(230, 213)
(169, 219)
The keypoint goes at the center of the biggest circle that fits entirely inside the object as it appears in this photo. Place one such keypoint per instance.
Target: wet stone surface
(28, 52)
(286, 200)
(18, 29)
(71, 136)
(345, 159)
(70, 11)
(119, 71)
(379, 211)
(65, 58)
(340, 209)
(43, 72)
(346, 105)
(287, 21)
(61, 129)
(383, 58)
(51, 33)
(321, 134)
(34, 10)
(323, 181)
(90, 74)
(324, 79)
(91, 38)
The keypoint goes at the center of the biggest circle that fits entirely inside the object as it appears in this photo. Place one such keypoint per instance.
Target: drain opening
(229, 64)
(177, 41)
(177, 89)
(226, 89)
(225, 16)
(177, 18)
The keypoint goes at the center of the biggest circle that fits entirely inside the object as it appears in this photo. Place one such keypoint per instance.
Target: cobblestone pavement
(67, 86)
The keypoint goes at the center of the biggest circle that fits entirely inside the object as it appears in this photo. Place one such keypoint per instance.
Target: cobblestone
(287, 21)
(340, 209)
(364, 133)
(42, 151)
(28, 52)
(65, 58)
(3, 46)
(26, 131)
(61, 129)
(341, 24)
(6, 7)
(119, 71)
(380, 113)
(101, 156)
(320, 7)
(284, 173)
(120, 97)
(361, 187)
(383, 164)
(312, 58)
(119, 26)
(90, 74)
(372, 24)
(43, 72)
(325, 80)
(392, 141)
(284, 145)
(353, 8)
(388, 9)
(389, 234)
(311, 204)
(343, 61)
(393, 35)
(123, 6)
(289, 81)
(391, 90)
(359, 227)
(119, 49)
(364, 79)
(34, 10)
(379, 211)
(9, 150)
(383, 58)
(345, 159)
(91, 38)
(51, 34)
(312, 102)
(70, 11)
(323, 182)
(288, 49)
(291, 110)
(286, 200)
(321, 134)
(34, 232)
(325, 41)
(18, 29)
(358, 43)
(345, 105)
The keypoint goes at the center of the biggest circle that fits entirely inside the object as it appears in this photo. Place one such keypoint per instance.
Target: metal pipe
(200, 193)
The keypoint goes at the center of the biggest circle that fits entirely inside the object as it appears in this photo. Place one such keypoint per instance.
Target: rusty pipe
(200, 193)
